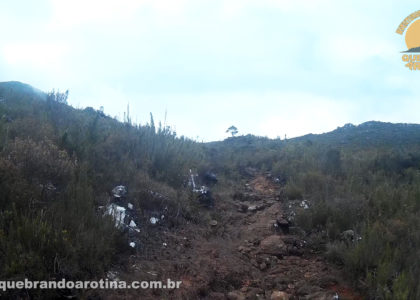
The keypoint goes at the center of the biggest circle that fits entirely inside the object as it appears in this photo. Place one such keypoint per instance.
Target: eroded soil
(251, 253)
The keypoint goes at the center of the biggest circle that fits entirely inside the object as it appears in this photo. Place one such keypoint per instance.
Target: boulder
(277, 295)
(119, 191)
(273, 245)
(254, 208)
(283, 224)
(235, 296)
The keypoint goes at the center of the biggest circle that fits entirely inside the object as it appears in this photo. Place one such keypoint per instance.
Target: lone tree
(233, 130)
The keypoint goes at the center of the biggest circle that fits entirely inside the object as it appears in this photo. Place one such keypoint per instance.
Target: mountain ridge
(386, 132)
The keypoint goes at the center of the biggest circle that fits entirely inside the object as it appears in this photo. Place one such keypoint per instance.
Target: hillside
(303, 218)
(19, 90)
(368, 134)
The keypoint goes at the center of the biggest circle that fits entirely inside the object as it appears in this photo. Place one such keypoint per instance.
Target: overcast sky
(269, 67)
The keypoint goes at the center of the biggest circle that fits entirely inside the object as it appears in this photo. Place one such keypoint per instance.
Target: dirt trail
(251, 253)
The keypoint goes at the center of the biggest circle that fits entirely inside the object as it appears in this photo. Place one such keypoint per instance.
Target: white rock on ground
(154, 220)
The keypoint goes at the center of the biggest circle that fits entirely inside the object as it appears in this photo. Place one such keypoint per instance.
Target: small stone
(154, 220)
(213, 223)
(252, 208)
(263, 266)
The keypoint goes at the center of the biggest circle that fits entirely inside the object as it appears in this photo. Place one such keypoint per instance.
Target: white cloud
(348, 53)
(302, 6)
(297, 114)
(67, 13)
(211, 62)
(71, 13)
(37, 54)
(235, 7)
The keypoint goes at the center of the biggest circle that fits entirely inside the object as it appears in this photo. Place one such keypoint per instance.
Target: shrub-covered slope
(58, 164)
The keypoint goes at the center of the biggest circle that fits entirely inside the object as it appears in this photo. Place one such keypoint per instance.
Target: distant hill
(368, 134)
(16, 89)
(372, 133)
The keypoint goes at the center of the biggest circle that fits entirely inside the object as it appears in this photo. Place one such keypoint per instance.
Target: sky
(269, 67)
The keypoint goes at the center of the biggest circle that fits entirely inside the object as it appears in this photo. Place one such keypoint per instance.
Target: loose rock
(277, 295)
(213, 223)
(273, 245)
(119, 191)
(235, 296)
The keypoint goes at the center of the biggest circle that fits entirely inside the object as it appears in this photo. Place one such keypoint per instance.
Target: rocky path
(247, 251)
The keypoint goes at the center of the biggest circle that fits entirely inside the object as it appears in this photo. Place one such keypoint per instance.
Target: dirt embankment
(250, 251)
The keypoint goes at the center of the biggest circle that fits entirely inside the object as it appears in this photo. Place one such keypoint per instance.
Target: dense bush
(57, 165)
(370, 187)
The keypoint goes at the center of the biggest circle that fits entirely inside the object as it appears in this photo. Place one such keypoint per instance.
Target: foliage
(58, 164)
(356, 178)
(232, 130)
(363, 178)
